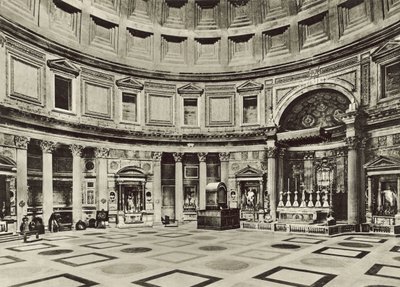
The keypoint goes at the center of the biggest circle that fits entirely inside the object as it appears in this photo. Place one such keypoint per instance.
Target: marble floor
(186, 257)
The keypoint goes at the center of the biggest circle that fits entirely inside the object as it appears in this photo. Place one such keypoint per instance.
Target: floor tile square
(104, 245)
(57, 238)
(177, 278)
(307, 240)
(261, 254)
(5, 260)
(174, 243)
(341, 252)
(31, 247)
(395, 249)
(366, 239)
(173, 235)
(387, 271)
(176, 256)
(84, 259)
(239, 241)
(296, 277)
(64, 280)
(116, 236)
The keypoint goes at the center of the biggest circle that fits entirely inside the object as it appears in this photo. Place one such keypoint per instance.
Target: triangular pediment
(392, 46)
(249, 171)
(249, 86)
(129, 83)
(63, 65)
(190, 89)
(383, 163)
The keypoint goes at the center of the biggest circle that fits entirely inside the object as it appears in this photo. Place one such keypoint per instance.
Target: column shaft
(101, 155)
(157, 188)
(271, 180)
(202, 185)
(76, 189)
(352, 196)
(22, 184)
(178, 191)
(47, 186)
(369, 195)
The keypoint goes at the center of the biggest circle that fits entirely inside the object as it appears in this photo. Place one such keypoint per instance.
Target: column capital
(157, 156)
(363, 142)
(352, 142)
(178, 156)
(202, 156)
(282, 152)
(76, 150)
(224, 156)
(21, 142)
(101, 152)
(272, 151)
(309, 155)
(48, 146)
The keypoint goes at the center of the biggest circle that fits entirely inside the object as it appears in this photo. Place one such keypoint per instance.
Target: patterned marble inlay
(395, 248)
(59, 280)
(116, 236)
(174, 243)
(126, 268)
(367, 239)
(57, 238)
(212, 248)
(31, 247)
(355, 244)
(261, 254)
(5, 260)
(104, 245)
(285, 246)
(85, 259)
(307, 240)
(388, 271)
(171, 278)
(322, 262)
(56, 252)
(227, 265)
(176, 256)
(173, 235)
(136, 250)
(296, 277)
(341, 252)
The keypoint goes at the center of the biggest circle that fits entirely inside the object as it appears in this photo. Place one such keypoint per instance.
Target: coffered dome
(201, 36)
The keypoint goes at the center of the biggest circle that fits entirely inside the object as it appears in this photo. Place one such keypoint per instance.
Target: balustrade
(321, 198)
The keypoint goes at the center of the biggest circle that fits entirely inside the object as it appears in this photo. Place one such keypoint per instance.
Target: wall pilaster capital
(272, 151)
(21, 142)
(178, 156)
(282, 152)
(157, 156)
(202, 156)
(363, 142)
(309, 155)
(352, 142)
(224, 156)
(101, 152)
(48, 146)
(76, 150)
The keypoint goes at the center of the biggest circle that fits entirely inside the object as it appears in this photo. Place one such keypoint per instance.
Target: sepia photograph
(199, 143)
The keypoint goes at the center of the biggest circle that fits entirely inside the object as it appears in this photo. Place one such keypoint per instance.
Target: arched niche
(315, 108)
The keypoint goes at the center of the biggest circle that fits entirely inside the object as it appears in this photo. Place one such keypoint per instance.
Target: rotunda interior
(133, 107)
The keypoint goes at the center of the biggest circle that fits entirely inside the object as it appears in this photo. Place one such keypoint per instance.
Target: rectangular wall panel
(160, 109)
(97, 100)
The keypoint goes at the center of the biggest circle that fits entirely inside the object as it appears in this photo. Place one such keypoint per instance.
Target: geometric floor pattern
(186, 257)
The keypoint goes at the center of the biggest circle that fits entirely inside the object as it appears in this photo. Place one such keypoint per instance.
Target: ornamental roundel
(235, 166)
(308, 121)
(318, 108)
(146, 167)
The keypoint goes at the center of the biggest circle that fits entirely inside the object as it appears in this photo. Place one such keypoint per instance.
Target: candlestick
(288, 184)
(295, 183)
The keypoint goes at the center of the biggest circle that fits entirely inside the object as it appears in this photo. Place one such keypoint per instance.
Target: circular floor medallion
(136, 250)
(55, 252)
(204, 237)
(147, 232)
(227, 264)
(378, 285)
(355, 244)
(397, 258)
(285, 246)
(123, 268)
(94, 233)
(212, 248)
(322, 262)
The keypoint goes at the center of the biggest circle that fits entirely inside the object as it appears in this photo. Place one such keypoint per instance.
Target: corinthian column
(47, 178)
(352, 181)
(178, 186)
(271, 177)
(224, 159)
(21, 143)
(202, 179)
(101, 155)
(76, 151)
(157, 186)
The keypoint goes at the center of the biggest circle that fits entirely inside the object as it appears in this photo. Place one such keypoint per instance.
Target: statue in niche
(249, 198)
(390, 201)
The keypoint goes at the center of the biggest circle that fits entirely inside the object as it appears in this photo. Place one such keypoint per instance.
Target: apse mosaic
(322, 108)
